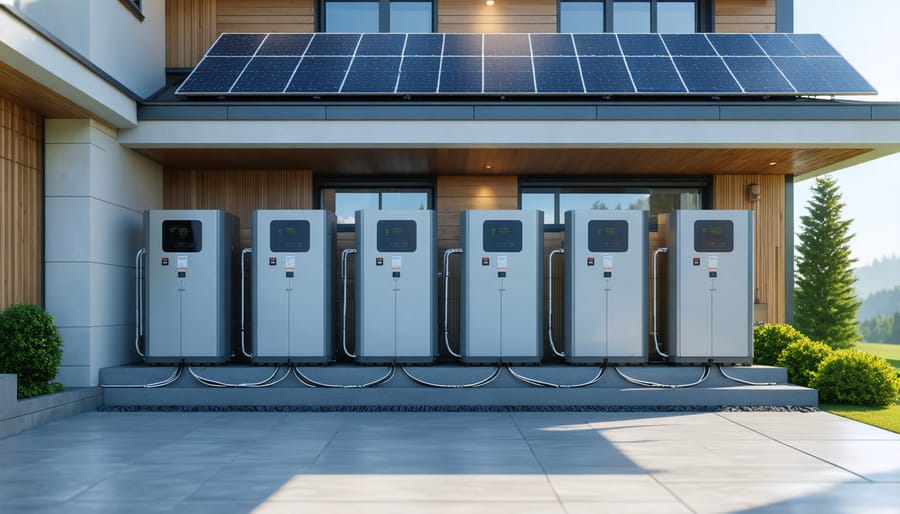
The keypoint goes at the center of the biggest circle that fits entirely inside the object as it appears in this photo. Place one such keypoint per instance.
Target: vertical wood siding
(504, 16)
(20, 204)
(190, 31)
(239, 192)
(745, 15)
(730, 192)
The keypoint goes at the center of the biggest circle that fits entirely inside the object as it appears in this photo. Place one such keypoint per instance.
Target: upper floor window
(635, 16)
(135, 7)
(378, 15)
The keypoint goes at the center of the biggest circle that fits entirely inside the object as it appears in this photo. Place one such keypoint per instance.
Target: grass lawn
(891, 352)
(887, 418)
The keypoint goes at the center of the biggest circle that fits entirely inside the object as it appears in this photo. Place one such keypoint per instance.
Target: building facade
(93, 135)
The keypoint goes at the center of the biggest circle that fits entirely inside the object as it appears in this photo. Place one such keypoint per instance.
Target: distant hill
(882, 303)
(882, 274)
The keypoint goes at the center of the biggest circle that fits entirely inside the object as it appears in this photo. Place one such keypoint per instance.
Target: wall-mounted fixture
(753, 191)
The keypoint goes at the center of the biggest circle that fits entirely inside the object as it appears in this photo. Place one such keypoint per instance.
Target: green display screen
(396, 236)
(289, 236)
(713, 236)
(502, 236)
(182, 236)
(608, 236)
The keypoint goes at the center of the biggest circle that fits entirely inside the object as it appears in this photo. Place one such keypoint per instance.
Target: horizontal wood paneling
(265, 16)
(239, 192)
(27, 93)
(190, 31)
(730, 192)
(745, 15)
(20, 204)
(503, 16)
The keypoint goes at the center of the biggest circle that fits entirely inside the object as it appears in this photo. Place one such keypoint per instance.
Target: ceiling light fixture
(490, 2)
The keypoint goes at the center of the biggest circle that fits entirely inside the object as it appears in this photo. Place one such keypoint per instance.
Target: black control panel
(396, 236)
(289, 236)
(182, 236)
(608, 236)
(713, 236)
(502, 236)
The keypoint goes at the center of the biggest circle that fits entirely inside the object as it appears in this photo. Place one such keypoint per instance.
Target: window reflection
(351, 16)
(581, 17)
(410, 16)
(541, 202)
(676, 17)
(631, 16)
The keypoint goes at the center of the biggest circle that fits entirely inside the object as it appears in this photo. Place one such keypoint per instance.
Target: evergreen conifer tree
(825, 302)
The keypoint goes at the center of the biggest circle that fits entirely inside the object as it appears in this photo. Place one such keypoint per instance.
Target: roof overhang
(801, 139)
(50, 78)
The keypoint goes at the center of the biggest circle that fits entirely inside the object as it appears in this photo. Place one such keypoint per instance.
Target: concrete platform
(20, 415)
(451, 463)
(403, 392)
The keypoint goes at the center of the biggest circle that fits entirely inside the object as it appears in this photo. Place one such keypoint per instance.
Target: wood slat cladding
(190, 31)
(265, 16)
(20, 203)
(238, 191)
(745, 15)
(25, 92)
(730, 192)
(503, 16)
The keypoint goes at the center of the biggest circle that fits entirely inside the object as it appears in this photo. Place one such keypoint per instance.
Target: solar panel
(522, 64)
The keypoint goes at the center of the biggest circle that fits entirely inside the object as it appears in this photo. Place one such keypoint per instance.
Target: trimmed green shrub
(856, 378)
(802, 359)
(770, 340)
(30, 347)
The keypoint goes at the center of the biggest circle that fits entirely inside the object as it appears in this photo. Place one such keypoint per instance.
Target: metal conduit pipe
(655, 279)
(344, 256)
(447, 301)
(244, 253)
(138, 300)
(550, 306)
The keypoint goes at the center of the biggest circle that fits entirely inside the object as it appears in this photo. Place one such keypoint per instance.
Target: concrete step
(402, 391)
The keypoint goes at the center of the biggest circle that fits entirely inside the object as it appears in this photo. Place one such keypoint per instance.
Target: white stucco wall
(96, 192)
(109, 35)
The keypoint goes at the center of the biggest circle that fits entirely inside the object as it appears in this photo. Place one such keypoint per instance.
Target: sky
(867, 33)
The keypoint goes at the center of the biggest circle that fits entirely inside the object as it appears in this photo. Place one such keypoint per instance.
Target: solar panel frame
(243, 64)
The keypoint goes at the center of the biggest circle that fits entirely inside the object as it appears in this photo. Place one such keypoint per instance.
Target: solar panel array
(523, 64)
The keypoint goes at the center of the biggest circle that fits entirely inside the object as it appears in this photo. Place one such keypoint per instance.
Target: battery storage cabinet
(605, 286)
(292, 283)
(502, 293)
(396, 286)
(188, 294)
(710, 287)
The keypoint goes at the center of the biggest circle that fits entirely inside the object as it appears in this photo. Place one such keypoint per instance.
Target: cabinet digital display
(502, 236)
(396, 236)
(289, 236)
(182, 236)
(608, 236)
(713, 236)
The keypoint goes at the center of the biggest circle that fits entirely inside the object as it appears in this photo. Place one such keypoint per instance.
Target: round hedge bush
(770, 340)
(801, 359)
(856, 378)
(30, 347)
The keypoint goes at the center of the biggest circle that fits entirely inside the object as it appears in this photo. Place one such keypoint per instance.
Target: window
(581, 17)
(378, 15)
(135, 7)
(345, 201)
(657, 199)
(635, 16)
